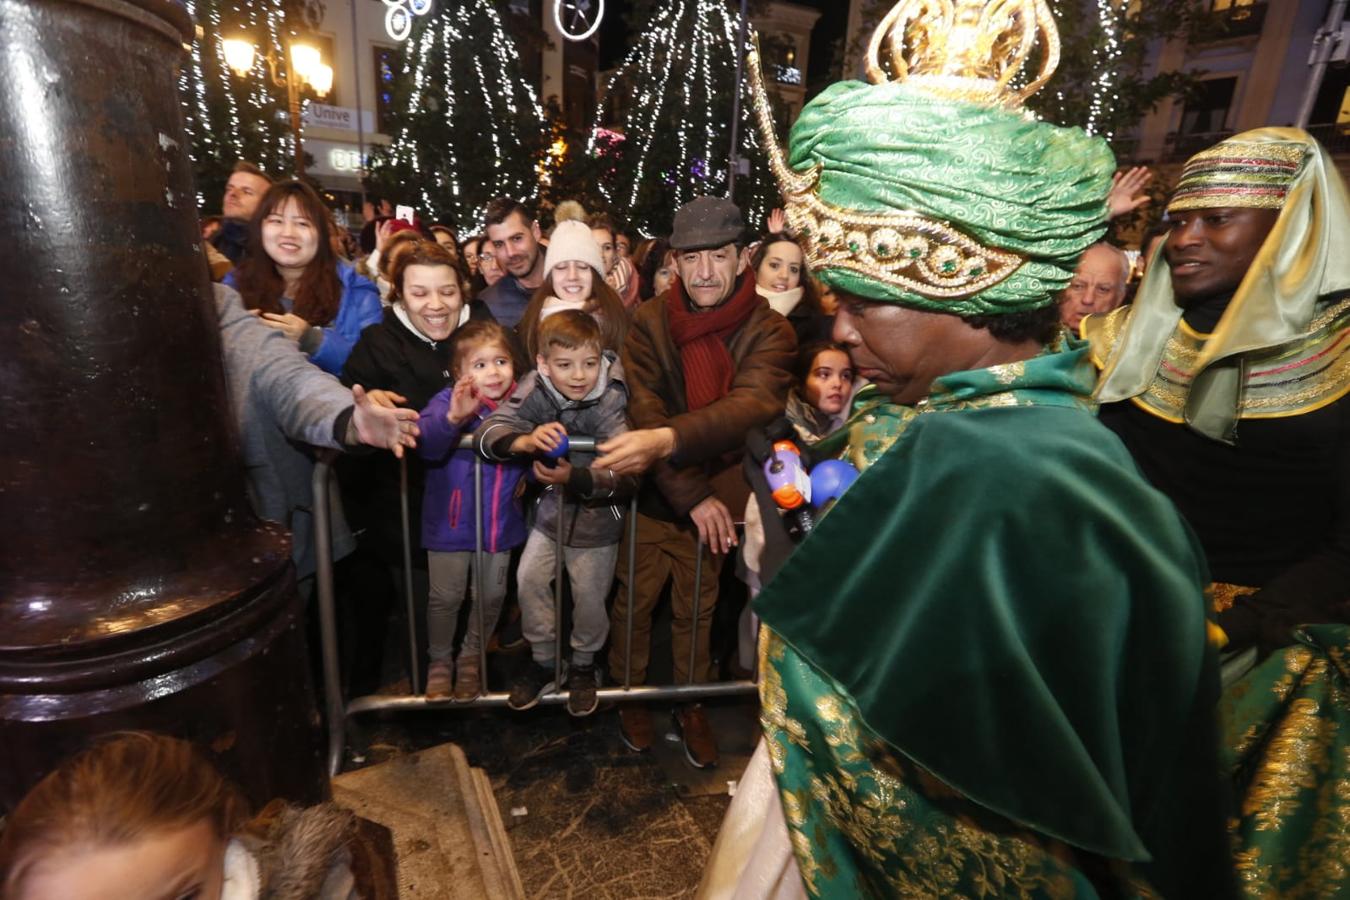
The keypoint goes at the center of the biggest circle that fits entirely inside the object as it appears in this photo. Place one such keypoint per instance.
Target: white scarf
(403, 317)
(782, 302)
(557, 304)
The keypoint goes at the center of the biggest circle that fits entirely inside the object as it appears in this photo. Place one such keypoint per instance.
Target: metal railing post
(558, 592)
(414, 670)
(323, 571)
(632, 577)
(698, 596)
(478, 557)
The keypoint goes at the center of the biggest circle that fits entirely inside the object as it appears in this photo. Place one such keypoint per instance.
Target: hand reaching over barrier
(377, 425)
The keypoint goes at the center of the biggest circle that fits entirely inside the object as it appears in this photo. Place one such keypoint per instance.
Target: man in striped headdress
(1227, 381)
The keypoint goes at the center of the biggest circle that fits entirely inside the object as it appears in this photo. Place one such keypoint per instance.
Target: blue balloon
(829, 479)
(559, 451)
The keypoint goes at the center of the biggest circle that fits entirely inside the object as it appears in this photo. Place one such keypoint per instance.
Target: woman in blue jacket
(295, 283)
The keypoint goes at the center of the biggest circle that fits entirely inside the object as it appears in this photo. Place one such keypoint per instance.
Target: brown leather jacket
(709, 442)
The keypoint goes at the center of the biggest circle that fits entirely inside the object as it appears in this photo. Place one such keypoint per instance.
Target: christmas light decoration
(398, 16)
(675, 87)
(465, 123)
(229, 118)
(577, 20)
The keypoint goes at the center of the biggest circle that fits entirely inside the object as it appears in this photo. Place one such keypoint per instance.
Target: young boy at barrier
(578, 388)
(484, 372)
(147, 815)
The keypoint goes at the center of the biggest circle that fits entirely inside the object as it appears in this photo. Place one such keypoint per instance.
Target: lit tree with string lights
(467, 126)
(230, 118)
(675, 88)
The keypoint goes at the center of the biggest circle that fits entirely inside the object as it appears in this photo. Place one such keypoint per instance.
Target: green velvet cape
(1007, 604)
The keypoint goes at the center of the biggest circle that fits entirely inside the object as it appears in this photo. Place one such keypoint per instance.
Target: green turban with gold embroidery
(940, 194)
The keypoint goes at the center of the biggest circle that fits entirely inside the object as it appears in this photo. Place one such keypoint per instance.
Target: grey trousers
(591, 570)
(450, 584)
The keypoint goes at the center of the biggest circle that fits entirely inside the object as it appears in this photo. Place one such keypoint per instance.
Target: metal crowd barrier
(339, 710)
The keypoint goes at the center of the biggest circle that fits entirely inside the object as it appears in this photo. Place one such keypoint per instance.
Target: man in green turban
(985, 672)
(1228, 381)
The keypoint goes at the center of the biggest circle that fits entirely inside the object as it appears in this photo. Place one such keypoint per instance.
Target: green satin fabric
(866, 822)
(998, 175)
(1012, 608)
(1287, 746)
(1301, 261)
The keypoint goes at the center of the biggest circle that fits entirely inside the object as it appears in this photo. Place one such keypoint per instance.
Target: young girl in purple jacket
(484, 372)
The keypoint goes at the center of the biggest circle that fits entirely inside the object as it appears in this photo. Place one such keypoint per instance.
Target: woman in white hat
(575, 280)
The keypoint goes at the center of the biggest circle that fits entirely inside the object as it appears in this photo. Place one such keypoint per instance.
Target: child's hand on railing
(557, 473)
(548, 436)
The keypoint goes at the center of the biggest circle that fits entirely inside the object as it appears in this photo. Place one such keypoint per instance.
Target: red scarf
(701, 339)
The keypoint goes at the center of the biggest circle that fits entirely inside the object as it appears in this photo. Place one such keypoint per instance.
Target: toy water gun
(789, 483)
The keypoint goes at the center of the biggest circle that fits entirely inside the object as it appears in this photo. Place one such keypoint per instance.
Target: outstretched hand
(1127, 192)
(777, 223)
(376, 425)
(634, 452)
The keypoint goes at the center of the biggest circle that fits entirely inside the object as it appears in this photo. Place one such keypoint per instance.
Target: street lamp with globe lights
(303, 66)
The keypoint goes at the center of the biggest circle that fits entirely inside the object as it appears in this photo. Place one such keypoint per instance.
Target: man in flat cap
(706, 363)
(1229, 381)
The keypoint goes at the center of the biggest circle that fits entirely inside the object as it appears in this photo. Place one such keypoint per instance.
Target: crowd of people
(1101, 494)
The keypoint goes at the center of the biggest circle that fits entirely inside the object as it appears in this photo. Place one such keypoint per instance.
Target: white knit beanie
(573, 240)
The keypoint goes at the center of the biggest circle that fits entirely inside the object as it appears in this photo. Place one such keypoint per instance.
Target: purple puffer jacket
(447, 505)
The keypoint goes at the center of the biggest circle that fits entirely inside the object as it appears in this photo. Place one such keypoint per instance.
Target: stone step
(447, 831)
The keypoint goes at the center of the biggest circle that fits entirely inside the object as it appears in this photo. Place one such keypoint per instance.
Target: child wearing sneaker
(577, 389)
(484, 372)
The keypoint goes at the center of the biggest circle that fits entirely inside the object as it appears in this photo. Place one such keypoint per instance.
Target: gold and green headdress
(931, 186)
(1295, 275)
(1241, 173)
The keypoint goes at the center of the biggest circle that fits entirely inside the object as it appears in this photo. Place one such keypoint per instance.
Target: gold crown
(968, 50)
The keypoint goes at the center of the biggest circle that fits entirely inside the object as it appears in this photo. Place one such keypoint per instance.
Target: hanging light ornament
(577, 20)
(398, 16)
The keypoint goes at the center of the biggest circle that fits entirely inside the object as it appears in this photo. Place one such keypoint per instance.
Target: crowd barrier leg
(558, 592)
(478, 558)
(698, 597)
(414, 671)
(323, 561)
(632, 577)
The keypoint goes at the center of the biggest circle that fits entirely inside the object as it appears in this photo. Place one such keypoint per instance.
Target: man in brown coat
(706, 362)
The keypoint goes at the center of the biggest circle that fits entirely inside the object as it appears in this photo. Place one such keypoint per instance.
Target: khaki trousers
(665, 551)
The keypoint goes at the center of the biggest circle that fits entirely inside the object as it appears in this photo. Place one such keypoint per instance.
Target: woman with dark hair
(408, 354)
(655, 266)
(782, 278)
(295, 282)
(408, 351)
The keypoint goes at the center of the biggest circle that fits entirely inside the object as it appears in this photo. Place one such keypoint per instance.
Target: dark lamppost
(303, 66)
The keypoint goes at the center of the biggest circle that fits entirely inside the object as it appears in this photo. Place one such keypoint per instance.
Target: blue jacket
(448, 499)
(359, 307)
